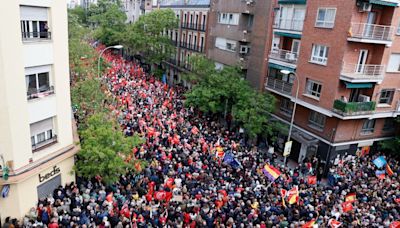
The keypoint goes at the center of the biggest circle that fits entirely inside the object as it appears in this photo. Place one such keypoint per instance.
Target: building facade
(190, 38)
(346, 56)
(36, 127)
(237, 34)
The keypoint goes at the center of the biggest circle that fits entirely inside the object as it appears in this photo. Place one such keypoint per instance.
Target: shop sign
(56, 170)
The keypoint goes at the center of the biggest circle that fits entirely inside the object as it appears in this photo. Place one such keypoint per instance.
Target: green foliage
(225, 91)
(392, 145)
(148, 36)
(104, 150)
(110, 21)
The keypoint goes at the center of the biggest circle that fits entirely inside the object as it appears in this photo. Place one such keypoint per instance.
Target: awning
(279, 67)
(296, 36)
(302, 2)
(350, 85)
(384, 3)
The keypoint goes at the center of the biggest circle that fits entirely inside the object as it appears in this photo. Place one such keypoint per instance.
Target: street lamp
(101, 53)
(286, 72)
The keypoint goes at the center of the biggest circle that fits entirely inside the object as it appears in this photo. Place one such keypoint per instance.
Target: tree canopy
(148, 35)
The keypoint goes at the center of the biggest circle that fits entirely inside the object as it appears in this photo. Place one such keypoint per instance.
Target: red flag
(283, 195)
(347, 206)
(389, 171)
(309, 224)
(395, 224)
(160, 195)
(397, 200)
(168, 196)
(334, 224)
(351, 197)
(194, 130)
(312, 180)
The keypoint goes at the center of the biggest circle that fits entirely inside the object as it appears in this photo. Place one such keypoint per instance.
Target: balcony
(46, 143)
(35, 36)
(193, 26)
(362, 73)
(353, 108)
(287, 57)
(279, 86)
(191, 47)
(371, 33)
(289, 25)
(31, 95)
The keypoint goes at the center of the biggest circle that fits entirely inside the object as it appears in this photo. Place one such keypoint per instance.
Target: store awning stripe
(296, 36)
(384, 3)
(279, 67)
(350, 85)
(299, 2)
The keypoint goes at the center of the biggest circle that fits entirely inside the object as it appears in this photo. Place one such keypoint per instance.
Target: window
(313, 88)
(325, 18)
(224, 44)
(42, 133)
(286, 107)
(386, 96)
(319, 54)
(368, 127)
(37, 84)
(34, 23)
(389, 124)
(398, 29)
(41, 137)
(228, 18)
(394, 63)
(317, 120)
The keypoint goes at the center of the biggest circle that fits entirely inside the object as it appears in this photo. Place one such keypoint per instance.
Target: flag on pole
(220, 152)
(380, 174)
(271, 172)
(351, 197)
(283, 195)
(333, 223)
(293, 195)
(309, 224)
(389, 171)
(379, 162)
(230, 159)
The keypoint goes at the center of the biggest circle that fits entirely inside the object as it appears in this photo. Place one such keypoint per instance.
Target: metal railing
(34, 94)
(284, 55)
(354, 108)
(289, 24)
(45, 143)
(192, 47)
(365, 70)
(194, 26)
(36, 35)
(279, 85)
(371, 31)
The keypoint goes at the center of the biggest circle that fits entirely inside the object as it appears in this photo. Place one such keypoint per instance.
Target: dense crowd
(188, 183)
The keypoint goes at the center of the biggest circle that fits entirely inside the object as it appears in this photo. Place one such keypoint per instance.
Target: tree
(225, 91)
(148, 35)
(110, 21)
(392, 145)
(104, 150)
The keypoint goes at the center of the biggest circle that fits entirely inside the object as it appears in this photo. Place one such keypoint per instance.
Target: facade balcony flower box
(353, 108)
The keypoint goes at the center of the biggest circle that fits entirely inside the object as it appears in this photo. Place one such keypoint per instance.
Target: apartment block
(190, 37)
(344, 58)
(237, 34)
(36, 128)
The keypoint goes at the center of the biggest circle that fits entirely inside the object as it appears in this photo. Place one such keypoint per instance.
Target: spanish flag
(334, 224)
(283, 195)
(293, 195)
(351, 197)
(309, 224)
(389, 171)
(271, 172)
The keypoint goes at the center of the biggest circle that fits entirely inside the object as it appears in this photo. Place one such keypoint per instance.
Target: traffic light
(6, 171)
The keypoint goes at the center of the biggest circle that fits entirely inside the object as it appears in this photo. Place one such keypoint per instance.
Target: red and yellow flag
(309, 224)
(389, 171)
(283, 194)
(293, 195)
(351, 197)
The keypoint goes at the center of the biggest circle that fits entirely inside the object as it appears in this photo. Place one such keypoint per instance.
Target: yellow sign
(288, 148)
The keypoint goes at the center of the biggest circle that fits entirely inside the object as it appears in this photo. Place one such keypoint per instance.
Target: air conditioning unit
(290, 56)
(365, 7)
(244, 49)
(363, 98)
(249, 2)
(244, 31)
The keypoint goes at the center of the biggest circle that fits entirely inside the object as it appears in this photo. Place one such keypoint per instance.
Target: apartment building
(237, 33)
(36, 129)
(190, 38)
(344, 57)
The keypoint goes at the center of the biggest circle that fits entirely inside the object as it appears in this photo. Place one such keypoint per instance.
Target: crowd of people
(188, 183)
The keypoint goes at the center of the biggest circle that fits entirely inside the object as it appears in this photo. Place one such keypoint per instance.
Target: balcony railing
(35, 94)
(371, 31)
(279, 85)
(41, 145)
(194, 26)
(284, 55)
(289, 24)
(192, 47)
(366, 71)
(354, 108)
(36, 35)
